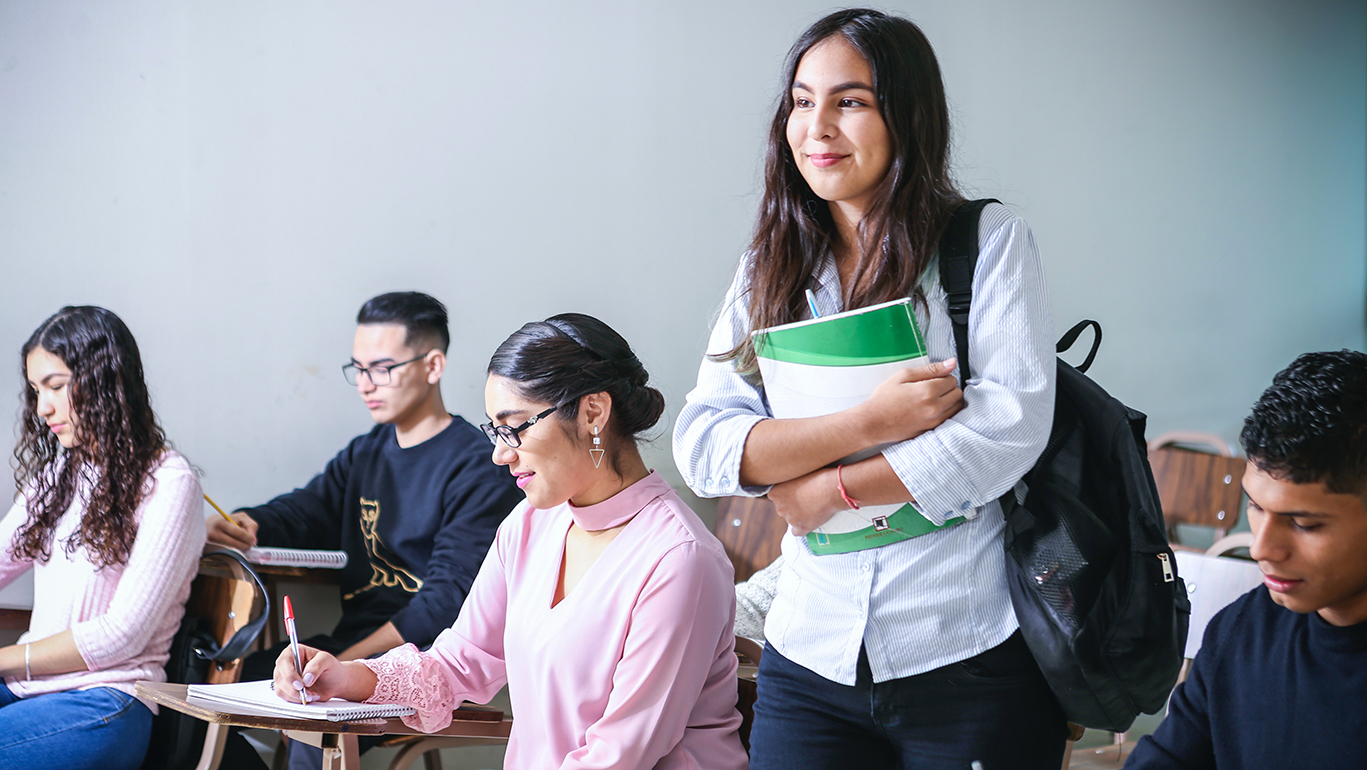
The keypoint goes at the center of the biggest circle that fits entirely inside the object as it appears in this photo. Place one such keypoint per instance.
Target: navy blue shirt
(1270, 688)
(416, 524)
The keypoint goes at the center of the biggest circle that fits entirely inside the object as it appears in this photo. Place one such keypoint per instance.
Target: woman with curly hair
(110, 520)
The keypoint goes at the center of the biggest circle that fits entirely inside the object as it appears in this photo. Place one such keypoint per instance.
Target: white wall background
(235, 179)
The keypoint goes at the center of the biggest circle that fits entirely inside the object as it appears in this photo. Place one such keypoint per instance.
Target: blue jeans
(994, 708)
(101, 728)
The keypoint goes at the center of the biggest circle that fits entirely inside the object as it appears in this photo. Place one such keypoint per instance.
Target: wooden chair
(1196, 488)
(750, 532)
(228, 598)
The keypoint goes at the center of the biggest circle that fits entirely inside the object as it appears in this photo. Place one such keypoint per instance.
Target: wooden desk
(337, 739)
(14, 618)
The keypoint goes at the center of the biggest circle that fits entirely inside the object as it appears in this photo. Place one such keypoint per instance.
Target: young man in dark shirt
(1281, 678)
(415, 502)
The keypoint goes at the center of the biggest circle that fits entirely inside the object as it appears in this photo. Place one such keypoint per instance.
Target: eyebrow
(506, 413)
(376, 362)
(47, 378)
(1310, 514)
(853, 85)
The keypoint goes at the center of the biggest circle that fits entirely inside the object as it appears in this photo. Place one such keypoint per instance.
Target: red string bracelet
(840, 483)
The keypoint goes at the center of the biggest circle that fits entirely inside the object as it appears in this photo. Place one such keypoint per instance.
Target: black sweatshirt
(1270, 688)
(416, 524)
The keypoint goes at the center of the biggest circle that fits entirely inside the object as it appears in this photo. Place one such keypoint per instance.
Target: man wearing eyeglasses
(415, 502)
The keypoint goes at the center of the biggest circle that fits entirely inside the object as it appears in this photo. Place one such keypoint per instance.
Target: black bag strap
(1069, 337)
(958, 260)
(237, 646)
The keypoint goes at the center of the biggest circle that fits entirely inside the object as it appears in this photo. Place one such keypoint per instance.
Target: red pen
(294, 646)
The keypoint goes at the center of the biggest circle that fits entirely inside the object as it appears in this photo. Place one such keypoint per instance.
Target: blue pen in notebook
(811, 303)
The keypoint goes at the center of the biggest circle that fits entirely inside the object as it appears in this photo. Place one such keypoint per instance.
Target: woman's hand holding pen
(323, 677)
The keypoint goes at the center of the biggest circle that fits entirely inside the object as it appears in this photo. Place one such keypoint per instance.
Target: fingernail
(312, 697)
(309, 679)
(298, 685)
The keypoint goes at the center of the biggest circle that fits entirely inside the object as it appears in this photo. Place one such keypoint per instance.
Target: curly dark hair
(1311, 425)
(119, 442)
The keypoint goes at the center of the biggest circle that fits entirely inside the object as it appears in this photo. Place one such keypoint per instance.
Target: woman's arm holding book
(907, 404)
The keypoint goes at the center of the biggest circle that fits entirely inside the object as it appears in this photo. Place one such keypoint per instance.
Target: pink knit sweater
(122, 617)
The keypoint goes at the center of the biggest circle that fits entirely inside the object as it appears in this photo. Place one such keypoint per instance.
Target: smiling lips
(825, 159)
(523, 479)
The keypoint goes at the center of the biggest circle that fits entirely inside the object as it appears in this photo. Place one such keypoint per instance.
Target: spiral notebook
(296, 557)
(258, 698)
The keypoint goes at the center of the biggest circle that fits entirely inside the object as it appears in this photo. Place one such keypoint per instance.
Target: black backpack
(177, 738)
(1092, 579)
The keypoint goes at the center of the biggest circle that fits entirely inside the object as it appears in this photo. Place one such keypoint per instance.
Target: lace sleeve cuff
(411, 678)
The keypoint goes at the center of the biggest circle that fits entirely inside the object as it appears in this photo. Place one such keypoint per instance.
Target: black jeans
(994, 708)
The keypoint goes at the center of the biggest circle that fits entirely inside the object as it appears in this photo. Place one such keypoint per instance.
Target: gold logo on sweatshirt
(384, 573)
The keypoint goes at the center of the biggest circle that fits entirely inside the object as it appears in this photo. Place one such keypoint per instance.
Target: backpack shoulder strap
(237, 646)
(958, 259)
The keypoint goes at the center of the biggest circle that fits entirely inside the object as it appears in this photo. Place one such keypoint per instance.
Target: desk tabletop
(468, 721)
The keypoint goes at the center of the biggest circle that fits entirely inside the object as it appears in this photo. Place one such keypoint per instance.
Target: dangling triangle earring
(597, 452)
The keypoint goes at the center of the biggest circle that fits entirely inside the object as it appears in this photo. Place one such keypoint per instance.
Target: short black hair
(1311, 425)
(423, 317)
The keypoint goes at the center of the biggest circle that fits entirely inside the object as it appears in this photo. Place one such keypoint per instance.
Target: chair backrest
(750, 532)
(1197, 488)
(227, 598)
(224, 599)
(1213, 582)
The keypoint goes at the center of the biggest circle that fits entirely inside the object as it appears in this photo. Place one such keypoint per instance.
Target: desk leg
(215, 738)
(269, 637)
(341, 752)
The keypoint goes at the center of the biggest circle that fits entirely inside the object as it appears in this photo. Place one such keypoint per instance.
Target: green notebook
(828, 364)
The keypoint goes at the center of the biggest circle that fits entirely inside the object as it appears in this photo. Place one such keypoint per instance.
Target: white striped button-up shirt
(922, 603)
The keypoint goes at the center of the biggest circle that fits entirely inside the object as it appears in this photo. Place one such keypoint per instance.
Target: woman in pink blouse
(605, 604)
(111, 522)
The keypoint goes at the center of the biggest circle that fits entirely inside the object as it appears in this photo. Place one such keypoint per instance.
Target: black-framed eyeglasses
(510, 435)
(378, 375)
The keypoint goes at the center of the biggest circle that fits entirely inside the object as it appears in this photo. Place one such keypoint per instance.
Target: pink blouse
(633, 669)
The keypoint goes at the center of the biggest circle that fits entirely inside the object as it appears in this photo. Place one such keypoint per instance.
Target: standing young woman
(110, 520)
(906, 655)
(604, 604)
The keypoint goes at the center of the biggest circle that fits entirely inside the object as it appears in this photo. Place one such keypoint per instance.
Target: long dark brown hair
(119, 442)
(912, 204)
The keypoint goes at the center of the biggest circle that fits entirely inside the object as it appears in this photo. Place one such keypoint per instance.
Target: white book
(258, 698)
(296, 557)
(825, 365)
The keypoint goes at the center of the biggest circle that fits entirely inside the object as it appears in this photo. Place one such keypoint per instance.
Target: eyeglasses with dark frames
(510, 435)
(378, 375)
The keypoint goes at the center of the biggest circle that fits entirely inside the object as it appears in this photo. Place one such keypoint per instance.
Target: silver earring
(597, 451)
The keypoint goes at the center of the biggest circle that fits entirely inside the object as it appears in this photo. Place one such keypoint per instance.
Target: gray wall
(234, 179)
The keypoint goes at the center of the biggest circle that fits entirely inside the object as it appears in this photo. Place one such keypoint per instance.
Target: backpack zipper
(1168, 577)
